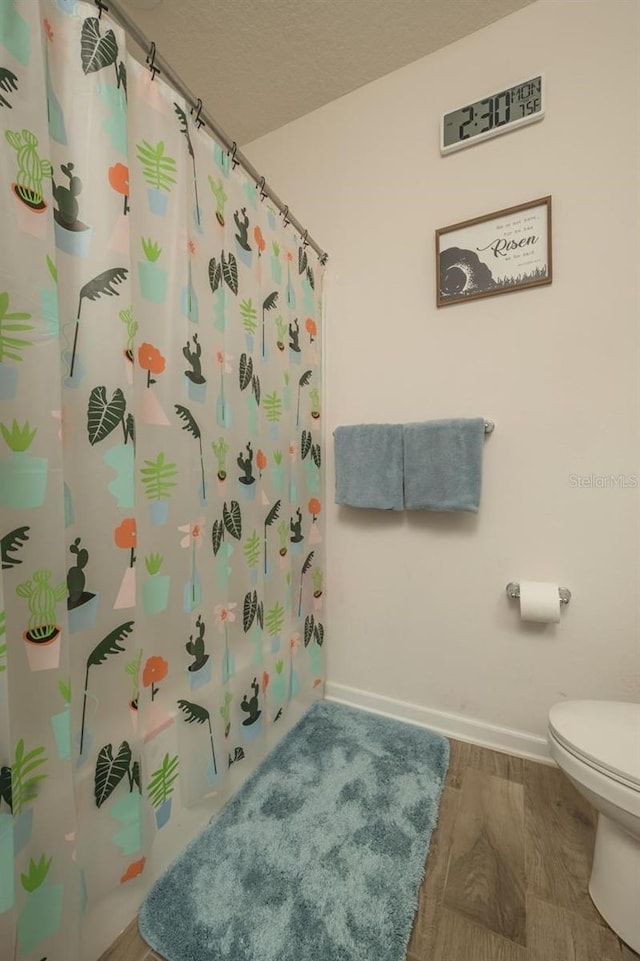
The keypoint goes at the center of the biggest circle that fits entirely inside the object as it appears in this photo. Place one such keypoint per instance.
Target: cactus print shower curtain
(161, 487)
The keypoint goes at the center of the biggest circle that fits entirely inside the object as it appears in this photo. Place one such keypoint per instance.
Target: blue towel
(443, 465)
(369, 466)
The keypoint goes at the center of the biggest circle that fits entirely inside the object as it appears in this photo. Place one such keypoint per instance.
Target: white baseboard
(503, 739)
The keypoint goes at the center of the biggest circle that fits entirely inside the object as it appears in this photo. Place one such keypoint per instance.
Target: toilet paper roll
(539, 601)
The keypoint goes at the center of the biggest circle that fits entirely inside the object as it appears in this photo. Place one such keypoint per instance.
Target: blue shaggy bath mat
(320, 855)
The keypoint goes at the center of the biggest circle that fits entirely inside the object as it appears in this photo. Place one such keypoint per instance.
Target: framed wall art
(494, 254)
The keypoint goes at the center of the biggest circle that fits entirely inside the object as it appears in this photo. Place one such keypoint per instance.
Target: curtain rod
(158, 64)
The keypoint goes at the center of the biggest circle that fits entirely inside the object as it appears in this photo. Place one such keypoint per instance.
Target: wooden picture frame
(497, 253)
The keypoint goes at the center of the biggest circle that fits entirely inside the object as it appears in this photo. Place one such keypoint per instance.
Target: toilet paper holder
(513, 591)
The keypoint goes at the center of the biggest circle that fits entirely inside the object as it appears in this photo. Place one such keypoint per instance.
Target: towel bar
(513, 591)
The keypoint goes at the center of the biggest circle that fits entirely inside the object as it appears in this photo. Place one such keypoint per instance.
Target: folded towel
(443, 465)
(369, 466)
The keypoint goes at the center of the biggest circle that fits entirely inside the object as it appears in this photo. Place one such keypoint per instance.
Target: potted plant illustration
(192, 427)
(192, 541)
(261, 243)
(305, 568)
(196, 714)
(220, 450)
(200, 669)
(225, 712)
(279, 683)
(156, 716)
(153, 362)
(314, 398)
(61, 723)
(11, 347)
(269, 303)
(282, 329)
(311, 328)
(41, 915)
(223, 409)
(155, 670)
(225, 615)
(303, 382)
(277, 471)
(188, 295)
(184, 127)
(132, 668)
(158, 481)
(196, 381)
(272, 516)
(153, 279)
(42, 638)
(314, 507)
(272, 406)
(119, 181)
(132, 329)
(104, 284)
(23, 478)
(249, 316)
(155, 590)
(127, 811)
(82, 605)
(72, 235)
(251, 549)
(160, 788)
(32, 170)
(125, 536)
(158, 169)
(19, 786)
(217, 189)
(108, 646)
(273, 622)
(251, 724)
(243, 247)
(317, 577)
(276, 266)
(104, 416)
(313, 641)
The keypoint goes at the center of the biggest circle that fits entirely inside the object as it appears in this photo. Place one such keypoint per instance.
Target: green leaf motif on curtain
(157, 167)
(255, 384)
(157, 478)
(249, 316)
(245, 371)
(191, 426)
(273, 407)
(274, 618)
(103, 416)
(233, 519)
(5, 786)
(249, 609)
(302, 260)
(316, 455)
(110, 771)
(217, 536)
(20, 784)
(11, 543)
(160, 786)
(97, 52)
(194, 713)
(36, 875)
(311, 278)
(305, 445)
(104, 284)
(215, 274)
(110, 645)
(230, 272)
(319, 634)
(10, 346)
(251, 549)
(309, 625)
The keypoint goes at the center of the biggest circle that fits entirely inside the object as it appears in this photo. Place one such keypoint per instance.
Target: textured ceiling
(258, 64)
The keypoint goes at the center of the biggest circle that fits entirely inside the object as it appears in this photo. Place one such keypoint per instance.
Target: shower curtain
(161, 483)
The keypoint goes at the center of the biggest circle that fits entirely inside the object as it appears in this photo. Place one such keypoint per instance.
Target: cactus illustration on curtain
(32, 169)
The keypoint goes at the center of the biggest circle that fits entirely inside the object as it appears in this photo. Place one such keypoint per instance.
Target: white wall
(416, 604)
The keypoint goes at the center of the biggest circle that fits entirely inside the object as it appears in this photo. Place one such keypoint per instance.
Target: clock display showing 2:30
(503, 107)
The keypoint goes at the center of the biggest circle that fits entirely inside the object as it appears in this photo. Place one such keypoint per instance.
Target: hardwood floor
(507, 873)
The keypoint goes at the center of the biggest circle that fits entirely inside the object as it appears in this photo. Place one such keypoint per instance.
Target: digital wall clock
(495, 114)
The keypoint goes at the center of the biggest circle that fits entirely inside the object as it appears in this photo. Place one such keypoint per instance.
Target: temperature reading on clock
(492, 115)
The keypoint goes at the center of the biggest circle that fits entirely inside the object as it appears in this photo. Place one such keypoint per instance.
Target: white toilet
(597, 745)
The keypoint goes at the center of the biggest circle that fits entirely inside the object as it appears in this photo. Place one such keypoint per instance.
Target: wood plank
(465, 755)
(559, 838)
(422, 940)
(128, 947)
(554, 932)
(486, 879)
(462, 940)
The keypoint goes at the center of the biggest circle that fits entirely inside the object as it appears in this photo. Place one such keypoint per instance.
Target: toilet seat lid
(605, 734)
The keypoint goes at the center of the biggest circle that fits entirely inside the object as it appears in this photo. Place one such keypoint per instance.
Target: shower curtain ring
(261, 186)
(151, 60)
(101, 5)
(305, 242)
(285, 216)
(234, 148)
(198, 108)
(324, 258)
